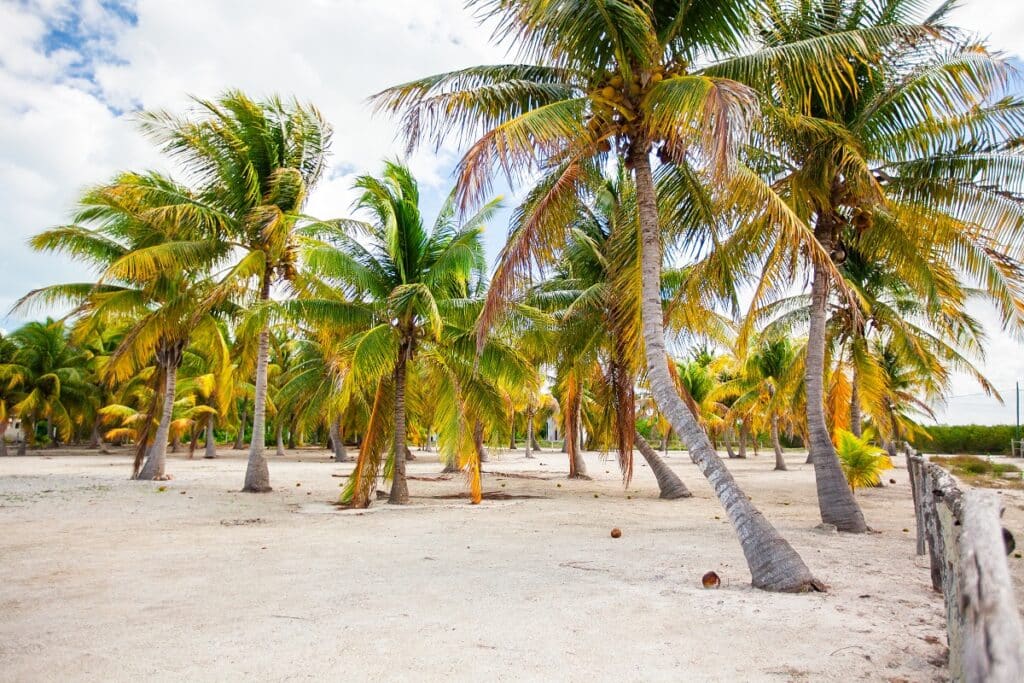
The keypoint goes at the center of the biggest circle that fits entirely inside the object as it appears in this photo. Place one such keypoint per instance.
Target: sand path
(105, 579)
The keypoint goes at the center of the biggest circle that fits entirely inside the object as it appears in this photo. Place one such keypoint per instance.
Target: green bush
(980, 439)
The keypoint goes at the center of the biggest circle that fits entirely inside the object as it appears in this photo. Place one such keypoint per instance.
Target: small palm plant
(862, 462)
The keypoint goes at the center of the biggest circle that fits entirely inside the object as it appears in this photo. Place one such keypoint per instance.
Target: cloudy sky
(73, 71)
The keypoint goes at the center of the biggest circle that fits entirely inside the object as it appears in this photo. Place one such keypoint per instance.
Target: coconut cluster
(615, 101)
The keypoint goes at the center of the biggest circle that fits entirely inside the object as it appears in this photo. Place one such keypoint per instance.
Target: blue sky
(73, 71)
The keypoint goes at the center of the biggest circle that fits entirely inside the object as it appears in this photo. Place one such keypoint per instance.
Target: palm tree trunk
(95, 437)
(193, 442)
(240, 437)
(257, 474)
(337, 441)
(478, 441)
(728, 442)
(577, 465)
(664, 440)
(773, 563)
(533, 441)
(669, 483)
(211, 439)
(780, 462)
(835, 500)
(279, 439)
(153, 468)
(3, 437)
(529, 433)
(744, 432)
(399, 486)
(855, 418)
(512, 433)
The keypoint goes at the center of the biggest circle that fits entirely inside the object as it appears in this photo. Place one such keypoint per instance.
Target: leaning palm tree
(594, 293)
(625, 73)
(253, 164)
(149, 282)
(400, 289)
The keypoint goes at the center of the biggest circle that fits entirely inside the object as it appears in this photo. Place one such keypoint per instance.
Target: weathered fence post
(968, 565)
(914, 465)
(993, 640)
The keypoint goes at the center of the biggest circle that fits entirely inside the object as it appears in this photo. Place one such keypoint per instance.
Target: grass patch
(982, 472)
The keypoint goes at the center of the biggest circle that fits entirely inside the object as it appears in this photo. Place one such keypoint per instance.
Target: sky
(74, 72)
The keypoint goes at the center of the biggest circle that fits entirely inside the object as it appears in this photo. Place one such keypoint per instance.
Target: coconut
(608, 92)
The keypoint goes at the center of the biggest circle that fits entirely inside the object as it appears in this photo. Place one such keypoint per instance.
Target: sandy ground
(105, 579)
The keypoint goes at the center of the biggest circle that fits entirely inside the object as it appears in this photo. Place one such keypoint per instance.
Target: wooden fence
(962, 533)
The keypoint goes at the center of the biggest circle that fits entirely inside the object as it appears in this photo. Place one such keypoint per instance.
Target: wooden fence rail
(963, 536)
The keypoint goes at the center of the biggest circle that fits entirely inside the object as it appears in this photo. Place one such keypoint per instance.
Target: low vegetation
(983, 472)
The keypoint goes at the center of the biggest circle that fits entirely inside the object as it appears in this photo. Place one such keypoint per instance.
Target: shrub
(862, 463)
(980, 439)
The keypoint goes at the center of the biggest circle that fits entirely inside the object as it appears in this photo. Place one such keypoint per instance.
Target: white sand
(106, 579)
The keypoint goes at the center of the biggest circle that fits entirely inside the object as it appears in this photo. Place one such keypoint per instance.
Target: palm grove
(741, 220)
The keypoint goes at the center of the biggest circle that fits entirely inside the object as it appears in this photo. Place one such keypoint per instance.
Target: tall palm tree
(625, 73)
(404, 291)
(910, 164)
(253, 164)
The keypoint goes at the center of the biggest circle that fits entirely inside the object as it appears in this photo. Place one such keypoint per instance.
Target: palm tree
(594, 293)
(766, 385)
(8, 391)
(403, 290)
(622, 73)
(253, 165)
(47, 376)
(910, 165)
(144, 285)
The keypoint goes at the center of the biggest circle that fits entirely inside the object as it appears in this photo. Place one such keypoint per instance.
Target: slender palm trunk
(399, 486)
(773, 563)
(170, 358)
(835, 500)
(855, 418)
(337, 440)
(780, 462)
(529, 433)
(240, 436)
(664, 440)
(95, 436)
(25, 426)
(512, 433)
(211, 439)
(573, 445)
(3, 437)
(478, 441)
(279, 439)
(669, 483)
(744, 432)
(257, 474)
